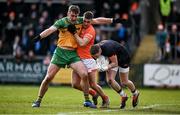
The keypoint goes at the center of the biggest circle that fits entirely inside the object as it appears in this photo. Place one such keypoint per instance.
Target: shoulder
(91, 31)
(91, 28)
(60, 23)
(79, 20)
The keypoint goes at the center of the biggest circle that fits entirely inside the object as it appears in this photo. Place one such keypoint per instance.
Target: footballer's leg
(81, 70)
(51, 72)
(125, 81)
(98, 89)
(75, 82)
(112, 82)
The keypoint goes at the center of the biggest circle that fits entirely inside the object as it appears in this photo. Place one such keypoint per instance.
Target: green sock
(86, 96)
(39, 98)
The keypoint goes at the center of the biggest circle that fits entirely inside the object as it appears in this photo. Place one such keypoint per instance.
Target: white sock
(135, 93)
(122, 93)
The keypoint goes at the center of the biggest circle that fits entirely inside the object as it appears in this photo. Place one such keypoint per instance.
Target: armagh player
(119, 59)
(85, 41)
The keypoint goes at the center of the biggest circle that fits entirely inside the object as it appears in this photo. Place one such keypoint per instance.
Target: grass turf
(17, 99)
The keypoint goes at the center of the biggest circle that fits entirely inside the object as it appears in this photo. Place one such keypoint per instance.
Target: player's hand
(102, 68)
(72, 28)
(118, 20)
(37, 38)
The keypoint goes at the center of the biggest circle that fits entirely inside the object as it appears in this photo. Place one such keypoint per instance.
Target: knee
(48, 79)
(84, 75)
(74, 85)
(124, 83)
(92, 85)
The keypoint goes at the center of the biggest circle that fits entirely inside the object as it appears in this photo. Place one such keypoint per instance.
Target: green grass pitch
(64, 100)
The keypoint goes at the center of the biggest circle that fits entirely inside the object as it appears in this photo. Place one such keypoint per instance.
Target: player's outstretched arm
(103, 20)
(45, 33)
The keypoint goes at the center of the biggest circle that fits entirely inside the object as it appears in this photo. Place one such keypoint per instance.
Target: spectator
(136, 15)
(30, 57)
(52, 46)
(161, 38)
(165, 9)
(47, 59)
(122, 34)
(16, 46)
(32, 20)
(26, 41)
(2, 50)
(173, 38)
(98, 35)
(174, 16)
(10, 28)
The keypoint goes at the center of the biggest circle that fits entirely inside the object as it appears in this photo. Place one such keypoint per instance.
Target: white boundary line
(86, 112)
(157, 105)
(112, 110)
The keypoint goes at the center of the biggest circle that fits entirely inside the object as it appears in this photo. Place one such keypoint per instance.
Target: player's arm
(45, 33)
(103, 20)
(114, 61)
(83, 41)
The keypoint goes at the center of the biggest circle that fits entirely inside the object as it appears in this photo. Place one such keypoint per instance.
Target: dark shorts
(124, 62)
(63, 57)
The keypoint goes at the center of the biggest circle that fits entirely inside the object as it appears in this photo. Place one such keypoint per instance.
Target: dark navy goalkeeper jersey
(110, 47)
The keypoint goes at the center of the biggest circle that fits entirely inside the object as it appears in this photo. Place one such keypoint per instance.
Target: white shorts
(121, 70)
(90, 64)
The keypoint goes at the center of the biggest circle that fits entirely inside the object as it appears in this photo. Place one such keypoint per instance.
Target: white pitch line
(110, 110)
(85, 112)
(150, 106)
(157, 105)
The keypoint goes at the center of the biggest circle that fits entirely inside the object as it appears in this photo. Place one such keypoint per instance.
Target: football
(102, 63)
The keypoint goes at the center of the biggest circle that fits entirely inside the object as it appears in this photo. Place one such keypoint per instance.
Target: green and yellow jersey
(66, 39)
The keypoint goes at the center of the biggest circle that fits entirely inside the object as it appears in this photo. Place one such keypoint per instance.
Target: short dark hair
(88, 15)
(94, 49)
(74, 8)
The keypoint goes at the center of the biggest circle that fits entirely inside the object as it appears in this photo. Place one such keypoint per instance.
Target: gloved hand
(72, 28)
(118, 20)
(37, 38)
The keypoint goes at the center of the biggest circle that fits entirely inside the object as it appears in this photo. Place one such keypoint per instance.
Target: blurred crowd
(20, 21)
(168, 32)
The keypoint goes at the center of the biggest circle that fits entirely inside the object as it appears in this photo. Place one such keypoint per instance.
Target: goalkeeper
(119, 59)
